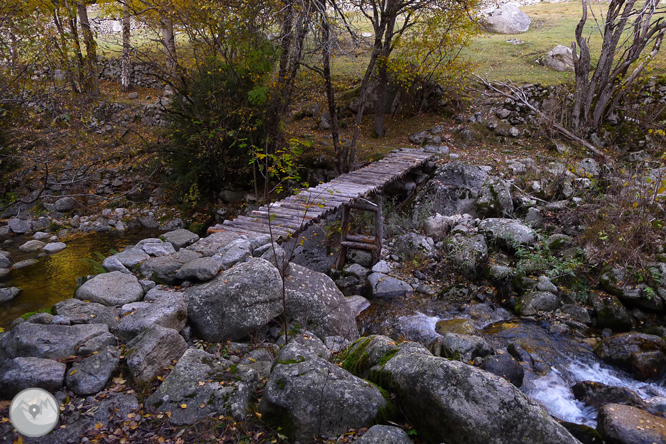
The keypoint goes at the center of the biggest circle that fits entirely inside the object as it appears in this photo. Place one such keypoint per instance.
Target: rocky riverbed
(457, 334)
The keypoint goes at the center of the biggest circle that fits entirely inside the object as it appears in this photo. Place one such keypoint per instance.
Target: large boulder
(597, 395)
(386, 287)
(468, 253)
(610, 312)
(180, 238)
(236, 251)
(210, 245)
(616, 281)
(453, 190)
(129, 257)
(383, 434)
(314, 301)
(9, 294)
(115, 288)
(49, 341)
(508, 232)
(531, 303)
(310, 397)
(32, 245)
(169, 311)
(495, 199)
(203, 269)
(152, 351)
(163, 269)
(507, 19)
(19, 226)
(158, 249)
(638, 353)
(80, 312)
(237, 302)
(504, 365)
(560, 58)
(449, 401)
(411, 245)
(91, 375)
(21, 373)
(462, 347)
(201, 385)
(621, 424)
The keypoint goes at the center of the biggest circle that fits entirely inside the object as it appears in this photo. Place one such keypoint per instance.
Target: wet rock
(5, 274)
(597, 395)
(536, 301)
(21, 373)
(504, 365)
(577, 312)
(169, 311)
(314, 302)
(628, 425)
(152, 351)
(638, 353)
(164, 269)
(9, 294)
(5, 260)
(32, 245)
(507, 232)
(54, 247)
(203, 383)
(180, 238)
(384, 287)
(610, 312)
(237, 302)
(210, 245)
(80, 312)
(383, 434)
(449, 401)
(91, 375)
(203, 269)
(49, 341)
(312, 398)
(462, 347)
(113, 288)
(507, 19)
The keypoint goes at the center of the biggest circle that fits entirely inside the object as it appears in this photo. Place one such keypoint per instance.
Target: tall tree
(91, 79)
(126, 63)
(628, 28)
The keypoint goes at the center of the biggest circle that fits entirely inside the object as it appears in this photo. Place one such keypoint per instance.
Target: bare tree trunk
(169, 43)
(74, 37)
(327, 48)
(92, 76)
(126, 66)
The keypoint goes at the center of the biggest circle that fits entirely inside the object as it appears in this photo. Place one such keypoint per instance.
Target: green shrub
(217, 122)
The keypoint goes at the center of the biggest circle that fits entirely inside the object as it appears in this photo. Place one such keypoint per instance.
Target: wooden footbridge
(291, 216)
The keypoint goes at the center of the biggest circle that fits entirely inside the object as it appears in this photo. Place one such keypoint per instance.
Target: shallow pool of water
(53, 278)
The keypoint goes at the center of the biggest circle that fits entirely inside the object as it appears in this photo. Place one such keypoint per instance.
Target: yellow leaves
(72, 372)
(183, 406)
(201, 383)
(98, 426)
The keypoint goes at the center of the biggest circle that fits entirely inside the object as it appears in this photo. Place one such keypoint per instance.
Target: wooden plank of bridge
(290, 216)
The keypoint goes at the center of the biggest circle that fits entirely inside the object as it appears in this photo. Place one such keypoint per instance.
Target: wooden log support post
(343, 238)
(379, 227)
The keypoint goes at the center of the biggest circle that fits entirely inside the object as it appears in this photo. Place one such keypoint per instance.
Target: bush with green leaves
(217, 122)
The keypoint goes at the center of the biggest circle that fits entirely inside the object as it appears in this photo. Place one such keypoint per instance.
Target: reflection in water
(53, 278)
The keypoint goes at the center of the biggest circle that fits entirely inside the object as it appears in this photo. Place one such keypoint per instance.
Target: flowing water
(559, 362)
(53, 278)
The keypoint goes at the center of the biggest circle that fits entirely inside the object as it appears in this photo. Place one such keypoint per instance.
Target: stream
(53, 278)
(559, 361)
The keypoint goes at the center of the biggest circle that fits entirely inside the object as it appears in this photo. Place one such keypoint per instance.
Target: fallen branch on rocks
(516, 93)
